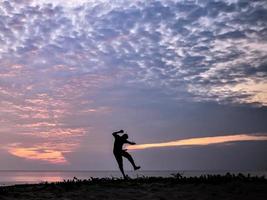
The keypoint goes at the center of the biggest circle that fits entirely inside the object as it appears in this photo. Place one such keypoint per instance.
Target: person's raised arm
(117, 132)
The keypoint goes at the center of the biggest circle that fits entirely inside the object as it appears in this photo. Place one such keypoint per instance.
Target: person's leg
(129, 157)
(120, 163)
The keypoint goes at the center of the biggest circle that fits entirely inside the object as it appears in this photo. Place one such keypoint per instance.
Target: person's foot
(126, 177)
(137, 167)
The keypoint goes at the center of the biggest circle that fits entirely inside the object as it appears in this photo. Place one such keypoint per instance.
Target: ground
(178, 187)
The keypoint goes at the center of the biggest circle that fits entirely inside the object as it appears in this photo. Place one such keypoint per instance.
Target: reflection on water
(22, 177)
(29, 179)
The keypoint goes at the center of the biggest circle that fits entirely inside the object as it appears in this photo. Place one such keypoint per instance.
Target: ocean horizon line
(149, 170)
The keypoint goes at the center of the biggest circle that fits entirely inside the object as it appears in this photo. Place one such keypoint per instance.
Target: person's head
(125, 136)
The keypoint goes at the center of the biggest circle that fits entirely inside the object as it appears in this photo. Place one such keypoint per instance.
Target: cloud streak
(203, 141)
(46, 152)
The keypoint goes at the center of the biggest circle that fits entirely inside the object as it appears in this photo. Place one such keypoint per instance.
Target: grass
(239, 186)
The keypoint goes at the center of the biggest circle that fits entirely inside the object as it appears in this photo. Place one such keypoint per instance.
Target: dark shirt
(118, 143)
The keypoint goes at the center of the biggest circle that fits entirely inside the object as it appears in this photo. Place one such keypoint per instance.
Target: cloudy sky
(185, 78)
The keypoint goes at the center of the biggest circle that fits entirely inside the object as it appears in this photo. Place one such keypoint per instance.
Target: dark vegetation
(228, 186)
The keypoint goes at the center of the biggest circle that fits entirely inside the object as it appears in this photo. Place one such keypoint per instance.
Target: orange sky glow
(201, 141)
(33, 153)
(47, 152)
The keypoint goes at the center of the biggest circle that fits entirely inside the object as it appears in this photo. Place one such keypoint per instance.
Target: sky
(185, 78)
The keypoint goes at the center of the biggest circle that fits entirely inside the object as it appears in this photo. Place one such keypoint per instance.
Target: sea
(8, 178)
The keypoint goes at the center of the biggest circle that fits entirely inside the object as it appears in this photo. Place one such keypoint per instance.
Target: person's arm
(128, 142)
(117, 132)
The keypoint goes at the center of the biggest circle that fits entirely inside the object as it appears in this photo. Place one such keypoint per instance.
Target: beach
(208, 187)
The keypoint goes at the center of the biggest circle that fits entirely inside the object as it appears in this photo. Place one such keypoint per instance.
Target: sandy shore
(142, 188)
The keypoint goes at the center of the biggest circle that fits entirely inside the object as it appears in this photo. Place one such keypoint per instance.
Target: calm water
(22, 177)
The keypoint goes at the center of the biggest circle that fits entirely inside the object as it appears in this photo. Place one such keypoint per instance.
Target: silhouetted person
(119, 152)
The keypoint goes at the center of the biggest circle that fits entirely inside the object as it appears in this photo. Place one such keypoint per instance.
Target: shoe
(126, 177)
(137, 167)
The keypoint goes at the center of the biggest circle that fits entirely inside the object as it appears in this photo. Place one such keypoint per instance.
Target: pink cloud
(41, 153)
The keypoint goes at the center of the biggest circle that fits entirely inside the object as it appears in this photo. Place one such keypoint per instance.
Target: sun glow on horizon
(201, 141)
